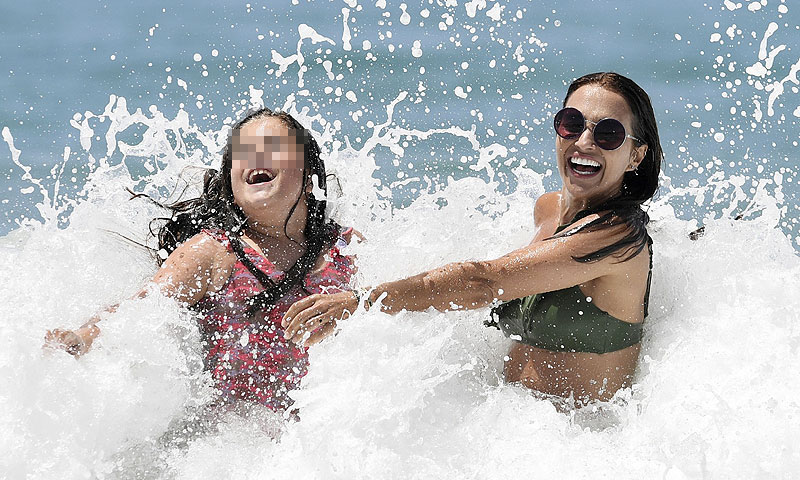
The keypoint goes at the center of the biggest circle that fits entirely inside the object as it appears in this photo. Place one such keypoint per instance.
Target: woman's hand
(316, 316)
(75, 342)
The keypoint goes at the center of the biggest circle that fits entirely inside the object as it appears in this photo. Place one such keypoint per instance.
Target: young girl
(251, 245)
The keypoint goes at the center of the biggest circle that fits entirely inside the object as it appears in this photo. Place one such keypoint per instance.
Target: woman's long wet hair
(215, 208)
(638, 186)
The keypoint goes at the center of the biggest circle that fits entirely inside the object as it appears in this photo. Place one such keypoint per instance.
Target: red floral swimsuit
(248, 357)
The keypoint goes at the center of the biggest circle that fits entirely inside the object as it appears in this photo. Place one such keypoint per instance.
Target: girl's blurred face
(267, 171)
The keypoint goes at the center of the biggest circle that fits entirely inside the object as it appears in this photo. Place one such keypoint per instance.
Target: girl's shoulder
(215, 246)
(198, 260)
(344, 236)
(339, 257)
(212, 246)
(217, 234)
(204, 243)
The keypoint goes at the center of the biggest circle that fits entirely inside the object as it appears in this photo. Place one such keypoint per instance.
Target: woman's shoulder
(548, 201)
(546, 207)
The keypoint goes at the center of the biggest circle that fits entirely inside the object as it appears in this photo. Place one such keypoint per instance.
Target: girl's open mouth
(260, 175)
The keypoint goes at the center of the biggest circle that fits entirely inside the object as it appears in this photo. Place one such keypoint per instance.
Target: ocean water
(435, 118)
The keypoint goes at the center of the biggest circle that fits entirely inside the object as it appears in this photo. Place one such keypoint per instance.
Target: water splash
(391, 396)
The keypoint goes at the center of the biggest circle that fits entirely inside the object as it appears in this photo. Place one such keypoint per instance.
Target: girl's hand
(75, 342)
(316, 316)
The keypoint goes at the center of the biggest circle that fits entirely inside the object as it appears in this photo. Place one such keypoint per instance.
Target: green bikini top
(567, 321)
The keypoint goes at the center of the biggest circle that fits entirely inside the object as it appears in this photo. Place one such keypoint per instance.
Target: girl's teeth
(252, 175)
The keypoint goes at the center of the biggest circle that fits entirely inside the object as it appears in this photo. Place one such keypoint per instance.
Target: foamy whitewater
(415, 395)
(410, 396)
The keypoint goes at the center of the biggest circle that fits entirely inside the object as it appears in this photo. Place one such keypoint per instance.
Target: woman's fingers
(297, 321)
(310, 325)
(315, 312)
(297, 307)
(321, 333)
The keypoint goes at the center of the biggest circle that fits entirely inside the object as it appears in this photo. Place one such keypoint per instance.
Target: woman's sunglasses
(609, 134)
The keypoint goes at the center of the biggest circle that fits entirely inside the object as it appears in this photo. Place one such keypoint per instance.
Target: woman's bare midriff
(583, 376)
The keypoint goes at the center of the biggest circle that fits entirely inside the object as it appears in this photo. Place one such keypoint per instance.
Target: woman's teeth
(260, 175)
(584, 166)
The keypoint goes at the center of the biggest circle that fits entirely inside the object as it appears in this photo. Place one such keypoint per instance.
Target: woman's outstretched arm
(540, 267)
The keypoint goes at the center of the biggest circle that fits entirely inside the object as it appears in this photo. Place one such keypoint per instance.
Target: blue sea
(436, 118)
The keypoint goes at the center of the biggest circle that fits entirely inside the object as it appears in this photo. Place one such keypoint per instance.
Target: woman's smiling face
(590, 174)
(267, 171)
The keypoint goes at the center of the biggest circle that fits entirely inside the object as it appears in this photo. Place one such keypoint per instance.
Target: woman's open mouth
(584, 167)
(260, 175)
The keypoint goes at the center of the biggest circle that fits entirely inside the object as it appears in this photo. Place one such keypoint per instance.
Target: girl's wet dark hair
(638, 186)
(215, 208)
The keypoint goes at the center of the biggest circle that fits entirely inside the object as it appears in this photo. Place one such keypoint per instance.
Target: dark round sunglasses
(608, 133)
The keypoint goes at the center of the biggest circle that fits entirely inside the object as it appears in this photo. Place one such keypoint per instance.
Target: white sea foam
(411, 396)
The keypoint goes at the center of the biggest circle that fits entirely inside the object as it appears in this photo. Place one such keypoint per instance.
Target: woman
(253, 243)
(577, 295)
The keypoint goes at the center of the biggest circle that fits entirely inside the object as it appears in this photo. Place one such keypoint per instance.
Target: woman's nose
(586, 139)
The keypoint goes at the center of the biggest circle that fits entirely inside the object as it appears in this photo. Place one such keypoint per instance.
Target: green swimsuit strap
(567, 320)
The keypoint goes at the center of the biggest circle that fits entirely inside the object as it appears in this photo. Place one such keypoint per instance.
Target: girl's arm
(540, 267)
(185, 276)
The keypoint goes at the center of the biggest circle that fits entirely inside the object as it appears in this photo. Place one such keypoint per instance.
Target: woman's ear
(637, 155)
